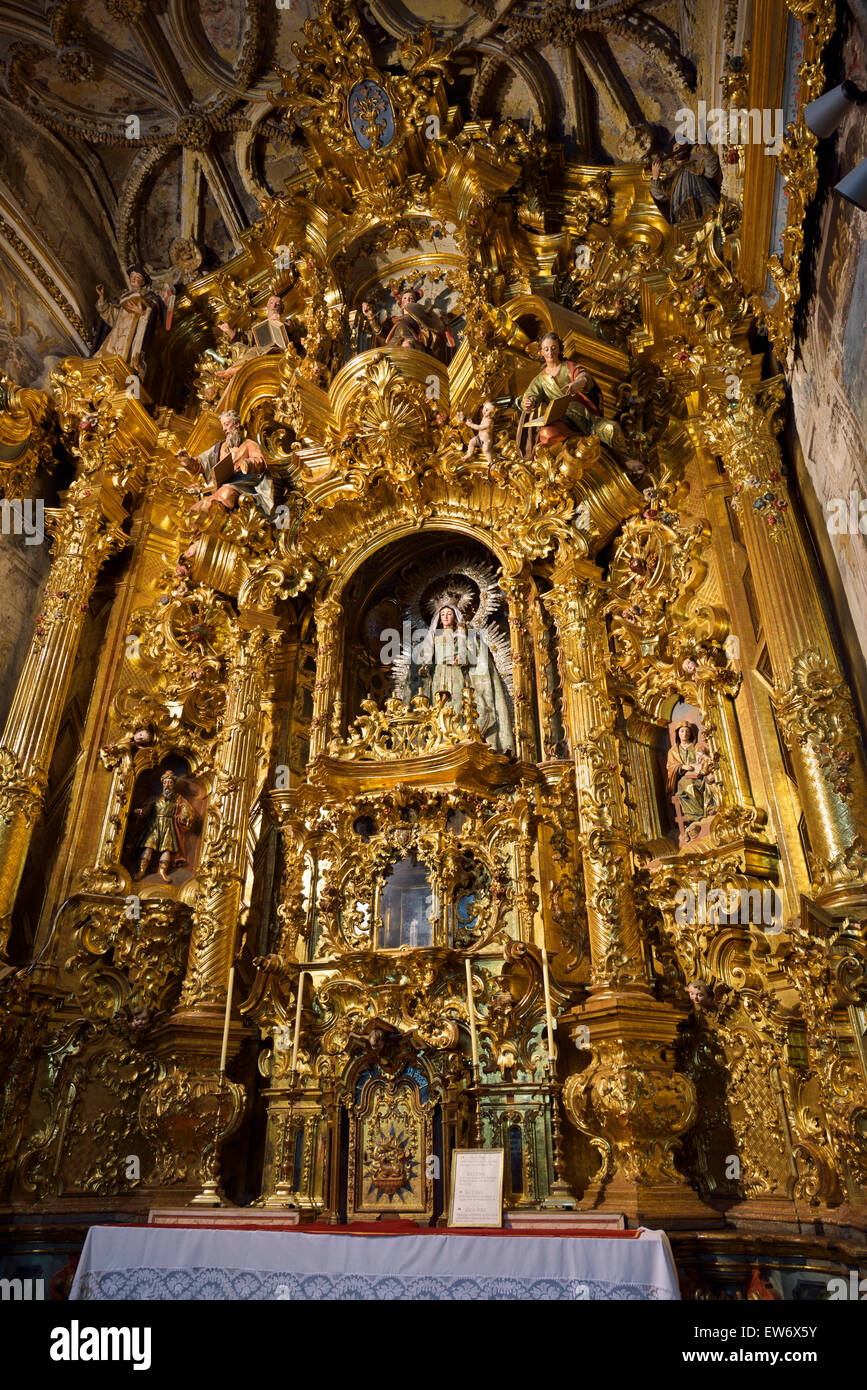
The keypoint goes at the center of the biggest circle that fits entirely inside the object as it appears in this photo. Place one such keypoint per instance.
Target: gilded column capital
(328, 609)
(816, 706)
(817, 719)
(742, 430)
(84, 538)
(21, 793)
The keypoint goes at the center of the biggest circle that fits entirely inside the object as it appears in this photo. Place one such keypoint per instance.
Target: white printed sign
(477, 1188)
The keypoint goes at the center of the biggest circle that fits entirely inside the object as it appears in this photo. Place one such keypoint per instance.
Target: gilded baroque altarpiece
(636, 704)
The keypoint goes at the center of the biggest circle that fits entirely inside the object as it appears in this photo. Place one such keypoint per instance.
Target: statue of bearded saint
(166, 818)
(454, 659)
(234, 467)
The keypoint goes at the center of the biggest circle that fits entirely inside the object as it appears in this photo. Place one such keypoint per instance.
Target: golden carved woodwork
(336, 62)
(407, 731)
(25, 437)
(231, 643)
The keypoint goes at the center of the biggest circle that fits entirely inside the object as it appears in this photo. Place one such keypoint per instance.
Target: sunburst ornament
(452, 577)
(390, 1164)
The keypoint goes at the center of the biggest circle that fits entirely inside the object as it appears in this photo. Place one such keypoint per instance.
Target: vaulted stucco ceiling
(153, 129)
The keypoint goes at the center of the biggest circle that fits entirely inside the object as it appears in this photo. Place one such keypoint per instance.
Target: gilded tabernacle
(432, 453)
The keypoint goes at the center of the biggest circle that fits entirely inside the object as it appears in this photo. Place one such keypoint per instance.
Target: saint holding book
(131, 319)
(231, 468)
(562, 400)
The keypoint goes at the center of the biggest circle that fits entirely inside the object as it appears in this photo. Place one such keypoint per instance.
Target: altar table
(151, 1262)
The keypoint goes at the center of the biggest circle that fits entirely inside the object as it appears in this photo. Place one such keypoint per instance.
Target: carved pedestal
(188, 1113)
(633, 1107)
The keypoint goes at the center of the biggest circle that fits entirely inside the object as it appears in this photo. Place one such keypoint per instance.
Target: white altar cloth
(147, 1262)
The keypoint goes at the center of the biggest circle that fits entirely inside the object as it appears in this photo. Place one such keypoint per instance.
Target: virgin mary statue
(454, 658)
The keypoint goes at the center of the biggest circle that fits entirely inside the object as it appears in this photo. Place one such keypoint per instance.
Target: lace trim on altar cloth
(245, 1285)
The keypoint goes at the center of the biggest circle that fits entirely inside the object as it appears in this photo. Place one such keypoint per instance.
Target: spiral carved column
(629, 1102)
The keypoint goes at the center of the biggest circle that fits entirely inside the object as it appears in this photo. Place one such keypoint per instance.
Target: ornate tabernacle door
(390, 1136)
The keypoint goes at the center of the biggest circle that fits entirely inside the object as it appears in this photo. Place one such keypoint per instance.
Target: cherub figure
(699, 995)
(502, 1004)
(140, 737)
(706, 998)
(379, 1038)
(135, 1021)
(483, 432)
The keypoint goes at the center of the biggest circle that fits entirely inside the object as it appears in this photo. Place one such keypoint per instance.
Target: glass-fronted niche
(406, 907)
(404, 904)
